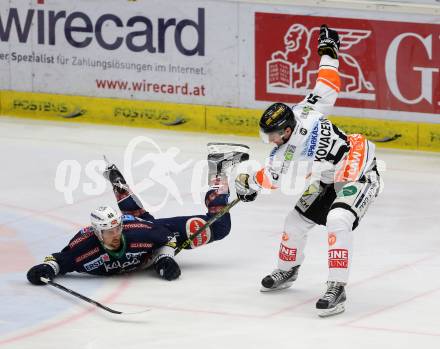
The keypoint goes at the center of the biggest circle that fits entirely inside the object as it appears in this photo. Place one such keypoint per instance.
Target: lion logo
(292, 71)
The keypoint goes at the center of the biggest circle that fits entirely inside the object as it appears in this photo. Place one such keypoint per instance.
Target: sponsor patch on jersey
(312, 189)
(312, 141)
(273, 152)
(288, 154)
(287, 254)
(133, 262)
(352, 167)
(288, 157)
(331, 239)
(97, 262)
(366, 198)
(128, 218)
(87, 255)
(347, 191)
(305, 112)
(192, 225)
(141, 245)
(285, 237)
(137, 225)
(338, 258)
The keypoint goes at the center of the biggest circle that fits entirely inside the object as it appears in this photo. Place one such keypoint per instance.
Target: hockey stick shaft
(210, 222)
(80, 296)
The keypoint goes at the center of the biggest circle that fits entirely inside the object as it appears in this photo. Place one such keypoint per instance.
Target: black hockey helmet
(276, 119)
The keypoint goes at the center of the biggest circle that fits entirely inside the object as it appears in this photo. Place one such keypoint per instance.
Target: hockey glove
(38, 271)
(244, 192)
(167, 268)
(328, 43)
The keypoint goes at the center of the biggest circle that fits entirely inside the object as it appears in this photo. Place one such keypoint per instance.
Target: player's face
(278, 137)
(112, 237)
(273, 137)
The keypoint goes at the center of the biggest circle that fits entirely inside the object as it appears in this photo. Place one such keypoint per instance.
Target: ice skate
(279, 279)
(115, 177)
(332, 302)
(222, 156)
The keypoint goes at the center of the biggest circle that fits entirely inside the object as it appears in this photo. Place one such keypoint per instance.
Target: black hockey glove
(41, 270)
(167, 268)
(328, 43)
(244, 192)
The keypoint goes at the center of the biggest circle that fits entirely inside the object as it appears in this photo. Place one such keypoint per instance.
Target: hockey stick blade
(88, 300)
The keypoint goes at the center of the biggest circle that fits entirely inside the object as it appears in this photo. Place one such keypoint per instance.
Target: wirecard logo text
(109, 31)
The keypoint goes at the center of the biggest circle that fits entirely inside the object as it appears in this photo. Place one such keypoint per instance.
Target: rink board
(95, 110)
(200, 118)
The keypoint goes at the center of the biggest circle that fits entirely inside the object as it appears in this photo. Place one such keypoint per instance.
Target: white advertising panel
(176, 51)
(220, 53)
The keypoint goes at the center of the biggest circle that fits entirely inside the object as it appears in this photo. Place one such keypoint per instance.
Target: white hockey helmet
(104, 218)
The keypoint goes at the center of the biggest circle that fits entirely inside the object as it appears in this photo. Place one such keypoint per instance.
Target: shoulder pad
(83, 235)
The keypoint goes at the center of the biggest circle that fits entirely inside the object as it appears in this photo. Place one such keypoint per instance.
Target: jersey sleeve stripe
(329, 84)
(330, 77)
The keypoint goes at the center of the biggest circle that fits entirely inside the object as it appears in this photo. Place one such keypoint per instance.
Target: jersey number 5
(312, 99)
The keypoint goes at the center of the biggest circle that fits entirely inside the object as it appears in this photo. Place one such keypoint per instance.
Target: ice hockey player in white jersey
(343, 173)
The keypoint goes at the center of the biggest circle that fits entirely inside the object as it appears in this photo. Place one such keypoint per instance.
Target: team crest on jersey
(192, 225)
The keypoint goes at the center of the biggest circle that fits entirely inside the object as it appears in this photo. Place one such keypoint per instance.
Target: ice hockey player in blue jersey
(116, 243)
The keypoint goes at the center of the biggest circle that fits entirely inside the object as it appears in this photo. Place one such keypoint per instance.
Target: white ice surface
(393, 297)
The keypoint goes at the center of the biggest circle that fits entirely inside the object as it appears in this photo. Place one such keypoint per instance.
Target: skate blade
(215, 148)
(340, 308)
(279, 288)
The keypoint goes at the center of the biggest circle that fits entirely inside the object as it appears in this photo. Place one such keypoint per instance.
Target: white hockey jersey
(336, 157)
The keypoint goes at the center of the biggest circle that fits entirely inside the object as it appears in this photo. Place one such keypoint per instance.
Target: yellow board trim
(160, 115)
(200, 118)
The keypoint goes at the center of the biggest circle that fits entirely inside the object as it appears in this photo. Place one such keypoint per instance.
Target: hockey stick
(84, 298)
(210, 222)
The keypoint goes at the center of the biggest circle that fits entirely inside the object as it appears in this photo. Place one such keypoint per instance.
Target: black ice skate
(222, 157)
(115, 177)
(279, 279)
(332, 302)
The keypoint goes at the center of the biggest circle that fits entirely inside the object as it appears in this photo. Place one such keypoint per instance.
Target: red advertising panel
(383, 65)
